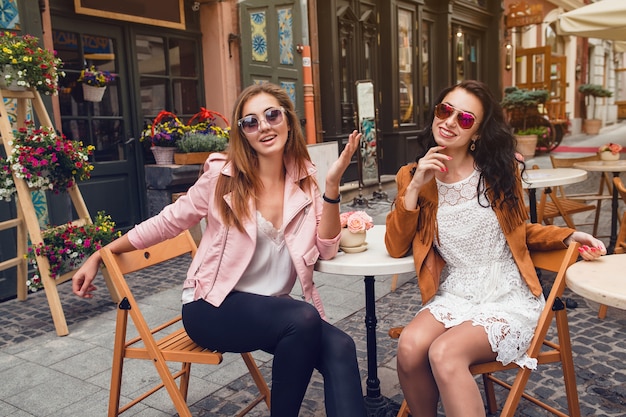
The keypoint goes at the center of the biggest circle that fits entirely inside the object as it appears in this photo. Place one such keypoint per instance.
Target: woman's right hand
(430, 163)
(82, 281)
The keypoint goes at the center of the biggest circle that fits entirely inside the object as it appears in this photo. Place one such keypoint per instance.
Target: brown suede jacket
(414, 231)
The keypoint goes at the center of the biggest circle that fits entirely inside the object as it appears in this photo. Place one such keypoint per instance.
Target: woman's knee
(412, 352)
(444, 359)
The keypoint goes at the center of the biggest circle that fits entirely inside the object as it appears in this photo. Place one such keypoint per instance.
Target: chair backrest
(620, 242)
(569, 162)
(554, 261)
(119, 264)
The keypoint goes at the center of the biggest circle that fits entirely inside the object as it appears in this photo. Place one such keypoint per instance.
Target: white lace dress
(481, 281)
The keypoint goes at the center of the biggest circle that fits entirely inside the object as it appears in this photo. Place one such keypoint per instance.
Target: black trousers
(296, 335)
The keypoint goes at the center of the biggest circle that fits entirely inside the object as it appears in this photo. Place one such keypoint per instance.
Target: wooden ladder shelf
(26, 221)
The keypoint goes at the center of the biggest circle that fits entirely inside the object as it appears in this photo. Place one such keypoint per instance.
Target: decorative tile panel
(258, 33)
(9, 15)
(290, 88)
(285, 35)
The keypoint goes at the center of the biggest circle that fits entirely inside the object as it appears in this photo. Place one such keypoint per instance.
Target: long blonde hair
(243, 183)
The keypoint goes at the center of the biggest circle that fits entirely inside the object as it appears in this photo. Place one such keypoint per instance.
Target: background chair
(544, 350)
(582, 198)
(167, 342)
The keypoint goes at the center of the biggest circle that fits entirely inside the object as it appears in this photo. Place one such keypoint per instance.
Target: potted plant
(45, 160)
(522, 108)
(591, 92)
(353, 233)
(68, 245)
(610, 151)
(23, 64)
(195, 147)
(162, 135)
(94, 83)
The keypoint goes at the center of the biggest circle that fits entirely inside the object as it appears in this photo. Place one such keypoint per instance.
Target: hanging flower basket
(93, 94)
(44, 160)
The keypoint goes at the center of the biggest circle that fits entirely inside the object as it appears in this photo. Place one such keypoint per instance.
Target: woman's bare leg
(414, 373)
(450, 356)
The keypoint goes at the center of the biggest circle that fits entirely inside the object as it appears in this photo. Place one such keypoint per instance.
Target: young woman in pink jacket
(460, 211)
(266, 225)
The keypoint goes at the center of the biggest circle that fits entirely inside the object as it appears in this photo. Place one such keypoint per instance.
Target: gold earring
(473, 146)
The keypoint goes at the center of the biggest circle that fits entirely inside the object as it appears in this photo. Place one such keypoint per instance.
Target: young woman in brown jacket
(460, 210)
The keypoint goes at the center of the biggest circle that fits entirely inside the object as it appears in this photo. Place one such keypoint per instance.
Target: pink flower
(356, 221)
(614, 148)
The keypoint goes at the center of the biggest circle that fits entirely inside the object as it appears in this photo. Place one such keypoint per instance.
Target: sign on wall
(167, 13)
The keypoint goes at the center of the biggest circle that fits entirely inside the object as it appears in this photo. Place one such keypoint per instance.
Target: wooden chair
(544, 350)
(597, 197)
(558, 206)
(620, 242)
(167, 342)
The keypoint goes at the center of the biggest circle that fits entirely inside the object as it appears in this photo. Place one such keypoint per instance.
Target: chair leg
(258, 380)
(184, 379)
(118, 362)
(404, 410)
(394, 282)
(490, 394)
(516, 392)
(567, 362)
(602, 311)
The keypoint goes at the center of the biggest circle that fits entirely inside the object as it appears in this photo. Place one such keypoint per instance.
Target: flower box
(191, 158)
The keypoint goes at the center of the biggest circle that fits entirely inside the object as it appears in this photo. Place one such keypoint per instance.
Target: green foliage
(537, 130)
(593, 91)
(522, 100)
(516, 98)
(202, 142)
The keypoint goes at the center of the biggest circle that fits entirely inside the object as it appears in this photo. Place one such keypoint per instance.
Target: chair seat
(569, 206)
(176, 347)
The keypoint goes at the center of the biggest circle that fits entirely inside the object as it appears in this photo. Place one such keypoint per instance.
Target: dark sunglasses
(466, 120)
(251, 123)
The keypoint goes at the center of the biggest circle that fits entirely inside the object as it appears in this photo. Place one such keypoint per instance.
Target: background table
(548, 177)
(614, 167)
(602, 280)
(374, 261)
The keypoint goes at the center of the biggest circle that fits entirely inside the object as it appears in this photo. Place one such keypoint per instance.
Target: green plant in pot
(194, 147)
(201, 142)
(524, 117)
(591, 92)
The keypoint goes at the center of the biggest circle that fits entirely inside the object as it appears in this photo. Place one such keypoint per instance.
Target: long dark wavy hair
(494, 156)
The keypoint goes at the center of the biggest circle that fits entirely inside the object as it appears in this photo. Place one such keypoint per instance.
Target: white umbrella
(604, 19)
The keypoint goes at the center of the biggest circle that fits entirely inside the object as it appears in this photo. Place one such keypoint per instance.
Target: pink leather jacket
(225, 252)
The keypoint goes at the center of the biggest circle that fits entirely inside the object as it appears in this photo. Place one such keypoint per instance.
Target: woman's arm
(82, 281)
(330, 226)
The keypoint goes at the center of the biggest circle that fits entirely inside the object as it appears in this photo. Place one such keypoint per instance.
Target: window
(96, 123)
(405, 65)
(168, 76)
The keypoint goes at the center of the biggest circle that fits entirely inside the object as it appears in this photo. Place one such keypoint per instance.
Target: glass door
(114, 186)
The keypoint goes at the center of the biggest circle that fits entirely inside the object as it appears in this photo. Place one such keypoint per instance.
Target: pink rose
(356, 224)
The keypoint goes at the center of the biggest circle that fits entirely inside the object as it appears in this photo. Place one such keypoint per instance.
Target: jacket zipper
(221, 256)
(301, 220)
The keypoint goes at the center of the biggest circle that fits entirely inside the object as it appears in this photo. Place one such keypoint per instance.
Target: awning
(604, 19)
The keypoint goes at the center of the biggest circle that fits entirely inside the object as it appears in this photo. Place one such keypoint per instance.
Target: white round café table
(614, 167)
(602, 280)
(548, 177)
(369, 263)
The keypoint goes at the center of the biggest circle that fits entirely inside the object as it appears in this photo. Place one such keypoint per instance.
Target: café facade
(344, 63)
